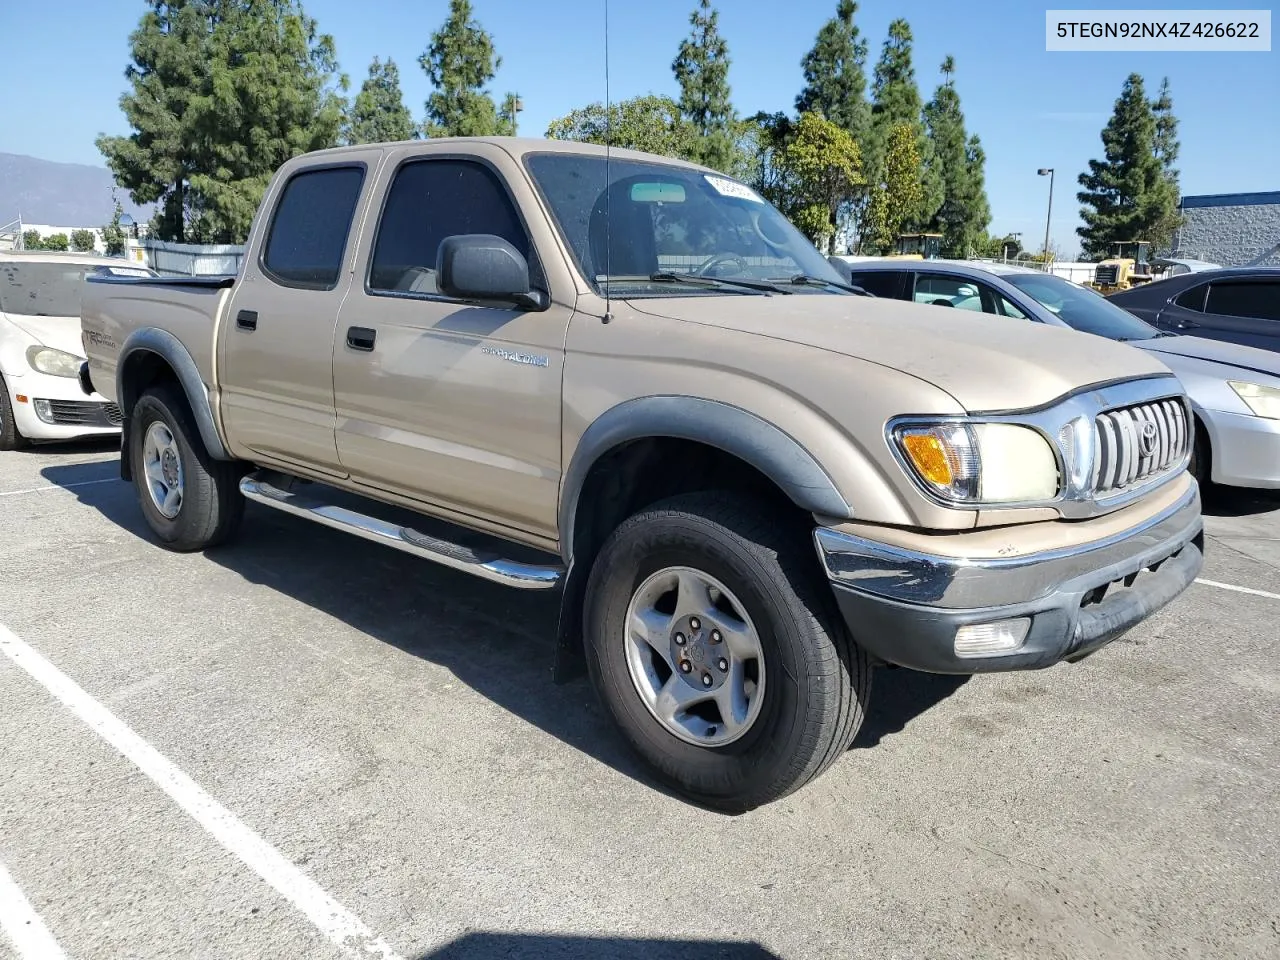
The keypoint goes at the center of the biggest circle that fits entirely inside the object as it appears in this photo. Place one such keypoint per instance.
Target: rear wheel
(717, 653)
(190, 500)
(10, 437)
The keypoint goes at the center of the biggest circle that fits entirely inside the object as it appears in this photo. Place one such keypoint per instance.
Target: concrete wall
(1237, 229)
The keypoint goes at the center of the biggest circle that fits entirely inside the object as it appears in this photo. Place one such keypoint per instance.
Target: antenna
(608, 183)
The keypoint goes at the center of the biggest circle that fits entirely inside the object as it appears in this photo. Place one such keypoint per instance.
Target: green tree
(896, 193)
(957, 162)
(378, 114)
(896, 101)
(56, 241)
(31, 240)
(83, 241)
(650, 123)
(221, 93)
(835, 79)
(1127, 195)
(113, 234)
(460, 61)
(702, 68)
(509, 114)
(825, 170)
(1166, 144)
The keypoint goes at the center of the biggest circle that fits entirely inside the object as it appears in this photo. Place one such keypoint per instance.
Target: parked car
(632, 379)
(1234, 304)
(41, 351)
(1234, 390)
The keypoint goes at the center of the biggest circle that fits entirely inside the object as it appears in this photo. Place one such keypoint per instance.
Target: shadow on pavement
(498, 641)
(1238, 501)
(490, 946)
(898, 697)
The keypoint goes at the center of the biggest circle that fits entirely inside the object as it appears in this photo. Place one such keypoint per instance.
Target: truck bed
(112, 308)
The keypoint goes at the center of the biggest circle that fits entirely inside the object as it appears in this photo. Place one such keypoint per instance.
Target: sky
(65, 65)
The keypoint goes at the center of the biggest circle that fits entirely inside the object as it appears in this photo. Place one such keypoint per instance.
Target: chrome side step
(510, 573)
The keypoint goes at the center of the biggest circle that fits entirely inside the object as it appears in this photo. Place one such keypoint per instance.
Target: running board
(488, 566)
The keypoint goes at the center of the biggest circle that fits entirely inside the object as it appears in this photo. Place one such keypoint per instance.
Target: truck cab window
(428, 201)
(309, 229)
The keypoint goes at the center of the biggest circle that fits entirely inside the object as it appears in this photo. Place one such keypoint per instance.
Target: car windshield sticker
(728, 188)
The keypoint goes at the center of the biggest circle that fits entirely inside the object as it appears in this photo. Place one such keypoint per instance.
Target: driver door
(453, 404)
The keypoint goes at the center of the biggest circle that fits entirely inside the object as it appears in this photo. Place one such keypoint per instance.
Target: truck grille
(81, 413)
(1106, 274)
(1138, 443)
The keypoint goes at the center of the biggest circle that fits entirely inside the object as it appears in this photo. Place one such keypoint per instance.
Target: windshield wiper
(805, 280)
(761, 285)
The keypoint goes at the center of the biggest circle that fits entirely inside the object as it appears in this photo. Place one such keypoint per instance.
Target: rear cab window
(310, 227)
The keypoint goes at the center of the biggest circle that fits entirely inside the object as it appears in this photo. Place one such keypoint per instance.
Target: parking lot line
(22, 925)
(1234, 589)
(57, 486)
(331, 918)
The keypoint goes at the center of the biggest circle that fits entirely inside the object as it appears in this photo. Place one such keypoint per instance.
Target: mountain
(59, 194)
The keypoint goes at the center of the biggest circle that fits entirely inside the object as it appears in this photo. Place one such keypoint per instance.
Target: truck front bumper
(956, 614)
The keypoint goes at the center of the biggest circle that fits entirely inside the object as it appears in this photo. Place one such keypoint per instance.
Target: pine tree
(702, 68)
(1166, 143)
(1127, 195)
(835, 75)
(896, 101)
(957, 162)
(459, 63)
(509, 113)
(378, 114)
(223, 92)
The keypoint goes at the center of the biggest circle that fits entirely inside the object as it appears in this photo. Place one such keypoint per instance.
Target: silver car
(1234, 390)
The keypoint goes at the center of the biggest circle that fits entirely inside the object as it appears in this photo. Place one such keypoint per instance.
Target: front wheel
(714, 649)
(190, 500)
(10, 437)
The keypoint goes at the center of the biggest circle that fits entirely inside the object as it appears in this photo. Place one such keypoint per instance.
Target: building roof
(1231, 200)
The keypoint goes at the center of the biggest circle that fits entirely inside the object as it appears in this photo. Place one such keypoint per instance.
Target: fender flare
(769, 449)
(170, 349)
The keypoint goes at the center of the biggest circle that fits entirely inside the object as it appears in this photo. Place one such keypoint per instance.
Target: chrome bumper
(905, 607)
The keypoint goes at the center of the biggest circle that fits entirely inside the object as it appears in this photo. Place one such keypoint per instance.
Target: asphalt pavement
(305, 745)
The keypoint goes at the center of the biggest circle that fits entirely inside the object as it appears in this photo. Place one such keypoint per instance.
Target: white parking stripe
(1234, 589)
(22, 925)
(56, 486)
(331, 918)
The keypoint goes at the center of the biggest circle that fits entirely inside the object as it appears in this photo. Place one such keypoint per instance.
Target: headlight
(56, 363)
(1263, 401)
(980, 463)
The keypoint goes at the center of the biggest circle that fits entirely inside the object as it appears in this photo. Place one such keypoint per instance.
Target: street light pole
(1047, 171)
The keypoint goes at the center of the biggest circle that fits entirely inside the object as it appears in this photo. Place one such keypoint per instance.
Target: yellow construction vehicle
(1128, 267)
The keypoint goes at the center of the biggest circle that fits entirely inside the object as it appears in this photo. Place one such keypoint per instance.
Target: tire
(210, 507)
(1201, 462)
(10, 437)
(811, 701)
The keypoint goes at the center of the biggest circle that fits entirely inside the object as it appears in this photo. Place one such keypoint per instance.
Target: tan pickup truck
(632, 380)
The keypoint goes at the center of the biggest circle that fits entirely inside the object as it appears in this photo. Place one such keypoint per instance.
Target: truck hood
(1218, 352)
(985, 362)
(61, 333)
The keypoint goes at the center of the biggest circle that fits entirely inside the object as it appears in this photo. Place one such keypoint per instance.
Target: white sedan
(40, 348)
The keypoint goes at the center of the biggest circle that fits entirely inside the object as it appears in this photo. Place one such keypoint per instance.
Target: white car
(40, 348)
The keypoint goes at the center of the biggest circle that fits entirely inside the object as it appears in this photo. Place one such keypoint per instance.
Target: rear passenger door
(1244, 311)
(275, 351)
(451, 403)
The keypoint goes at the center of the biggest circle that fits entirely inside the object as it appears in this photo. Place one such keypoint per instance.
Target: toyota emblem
(1147, 436)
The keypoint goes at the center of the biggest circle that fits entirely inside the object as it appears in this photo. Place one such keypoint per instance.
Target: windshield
(36, 289)
(1082, 308)
(685, 226)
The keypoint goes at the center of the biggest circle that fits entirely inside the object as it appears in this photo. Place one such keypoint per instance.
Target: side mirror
(481, 266)
(842, 268)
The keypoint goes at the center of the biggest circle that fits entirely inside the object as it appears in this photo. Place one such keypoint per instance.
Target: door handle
(247, 319)
(361, 338)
